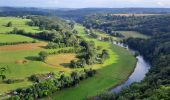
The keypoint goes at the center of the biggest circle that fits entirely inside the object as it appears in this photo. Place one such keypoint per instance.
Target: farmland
(16, 22)
(128, 34)
(22, 62)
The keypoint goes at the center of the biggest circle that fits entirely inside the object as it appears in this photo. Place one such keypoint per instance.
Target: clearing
(133, 34)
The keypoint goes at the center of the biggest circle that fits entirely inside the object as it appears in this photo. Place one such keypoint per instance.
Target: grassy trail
(114, 71)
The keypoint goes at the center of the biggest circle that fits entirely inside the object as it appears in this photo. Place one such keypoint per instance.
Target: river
(142, 67)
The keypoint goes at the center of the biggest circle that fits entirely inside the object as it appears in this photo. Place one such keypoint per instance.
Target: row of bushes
(15, 43)
(52, 45)
(65, 37)
(51, 85)
(43, 54)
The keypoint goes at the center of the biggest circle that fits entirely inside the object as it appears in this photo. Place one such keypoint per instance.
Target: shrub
(43, 55)
(34, 78)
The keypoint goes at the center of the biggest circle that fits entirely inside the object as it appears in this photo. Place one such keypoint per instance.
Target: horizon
(87, 3)
(86, 7)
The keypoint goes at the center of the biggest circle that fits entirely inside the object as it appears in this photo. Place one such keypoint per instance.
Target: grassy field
(16, 22)
(112, 72)
(21, 61)
(8, 38)
(61, 61)
(133, 34)
(18, 69)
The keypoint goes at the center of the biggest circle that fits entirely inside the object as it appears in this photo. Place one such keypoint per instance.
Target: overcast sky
(86, 3)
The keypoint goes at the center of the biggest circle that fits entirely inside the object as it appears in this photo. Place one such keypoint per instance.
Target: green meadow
(133, 34)
(16, 23)
(14, 38)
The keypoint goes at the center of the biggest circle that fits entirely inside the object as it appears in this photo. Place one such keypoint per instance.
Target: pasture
(128, 34)
(61, 61)
(16, 23)
(9, 38)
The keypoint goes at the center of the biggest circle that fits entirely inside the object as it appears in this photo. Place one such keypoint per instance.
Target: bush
(34, 78)
(9, 24)
(43, 55)
(46, 87)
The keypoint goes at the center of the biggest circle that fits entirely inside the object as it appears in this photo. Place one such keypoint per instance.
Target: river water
(142, 67)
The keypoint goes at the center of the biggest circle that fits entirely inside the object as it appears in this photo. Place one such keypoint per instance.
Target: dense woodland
(149, 25)
(156, 50)
(75, 14)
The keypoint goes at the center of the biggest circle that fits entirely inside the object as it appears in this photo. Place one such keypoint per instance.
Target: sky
(87, 3)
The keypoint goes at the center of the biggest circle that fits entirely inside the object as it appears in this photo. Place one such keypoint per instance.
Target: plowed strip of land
(29, 46)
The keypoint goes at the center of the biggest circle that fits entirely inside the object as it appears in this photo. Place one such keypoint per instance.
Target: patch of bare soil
(29, 46)
(21, 61)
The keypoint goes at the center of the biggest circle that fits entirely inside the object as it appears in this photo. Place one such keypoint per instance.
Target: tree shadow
(32, 58)
(65, 64)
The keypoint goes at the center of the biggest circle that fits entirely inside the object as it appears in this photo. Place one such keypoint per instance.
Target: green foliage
(43, 55)
(144, 24)
(51, 85)
(9, 24)
(33, 78)
(3, 71)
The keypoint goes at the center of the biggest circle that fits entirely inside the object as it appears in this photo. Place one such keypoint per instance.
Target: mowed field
(61, 61)
(9, 38)
(114, 71)
(133, 34)
(16, 22)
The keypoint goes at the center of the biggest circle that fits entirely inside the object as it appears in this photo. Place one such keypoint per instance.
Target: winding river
(142, 67)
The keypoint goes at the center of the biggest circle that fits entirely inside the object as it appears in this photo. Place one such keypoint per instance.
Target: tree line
(47, 87)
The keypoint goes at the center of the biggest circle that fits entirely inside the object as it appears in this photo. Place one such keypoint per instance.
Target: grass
(12, 56)
(133, 34)
(16, 22)
(60, 61)
(112, 72)
(21, 70)
(9, 38)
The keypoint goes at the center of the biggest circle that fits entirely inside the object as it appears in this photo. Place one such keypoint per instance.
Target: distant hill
(75, 13)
